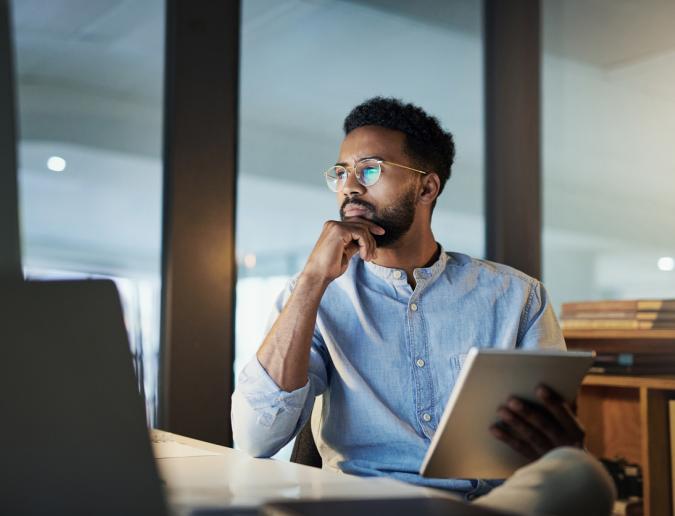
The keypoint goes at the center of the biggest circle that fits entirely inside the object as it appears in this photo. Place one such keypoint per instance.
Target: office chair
(304, 449)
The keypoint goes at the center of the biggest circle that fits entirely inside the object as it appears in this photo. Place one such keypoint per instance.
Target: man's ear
(431, 186)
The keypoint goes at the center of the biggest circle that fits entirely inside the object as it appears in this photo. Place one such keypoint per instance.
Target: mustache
(356, 202)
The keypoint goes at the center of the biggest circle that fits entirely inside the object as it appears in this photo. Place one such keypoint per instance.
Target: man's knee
(575, 473)
(565, 481)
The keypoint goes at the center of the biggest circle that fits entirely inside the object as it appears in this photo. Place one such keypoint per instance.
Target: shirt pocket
(456, 363)
(448, 378)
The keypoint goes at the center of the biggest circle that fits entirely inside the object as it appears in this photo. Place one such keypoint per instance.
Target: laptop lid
(73, 431)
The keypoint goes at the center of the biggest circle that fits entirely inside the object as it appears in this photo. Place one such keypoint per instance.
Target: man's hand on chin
(535, 429)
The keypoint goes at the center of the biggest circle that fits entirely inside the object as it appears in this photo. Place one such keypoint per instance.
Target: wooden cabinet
(628, 415)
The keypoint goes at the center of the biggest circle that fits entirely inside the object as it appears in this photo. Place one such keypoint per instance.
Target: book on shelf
(616, 324)
(634, 363)
(636, 314)
(628, 338)
(654, 343)
(629, 305)
(630, 315)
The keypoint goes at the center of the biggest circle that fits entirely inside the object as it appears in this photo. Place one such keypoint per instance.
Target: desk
(199, 474)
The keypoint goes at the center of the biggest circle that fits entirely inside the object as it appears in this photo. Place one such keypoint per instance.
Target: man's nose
(352, 186)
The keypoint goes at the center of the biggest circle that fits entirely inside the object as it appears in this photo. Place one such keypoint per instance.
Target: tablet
(463, 446)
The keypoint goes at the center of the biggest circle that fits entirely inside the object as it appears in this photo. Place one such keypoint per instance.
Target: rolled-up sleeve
(265, 417)
(539, 325)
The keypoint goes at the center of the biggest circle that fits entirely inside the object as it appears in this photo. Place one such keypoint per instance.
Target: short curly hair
(427, 144)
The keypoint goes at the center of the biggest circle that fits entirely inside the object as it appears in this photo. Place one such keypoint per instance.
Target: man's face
(391, 202)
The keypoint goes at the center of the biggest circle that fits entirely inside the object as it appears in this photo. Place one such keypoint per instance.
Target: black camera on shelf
(626, 476)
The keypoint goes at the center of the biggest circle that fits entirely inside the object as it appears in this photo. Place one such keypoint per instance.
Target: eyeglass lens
(367, 173)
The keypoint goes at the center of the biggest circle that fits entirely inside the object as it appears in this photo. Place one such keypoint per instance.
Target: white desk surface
(200, 474)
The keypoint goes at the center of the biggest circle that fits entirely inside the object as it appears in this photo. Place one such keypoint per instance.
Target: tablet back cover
(463, 446)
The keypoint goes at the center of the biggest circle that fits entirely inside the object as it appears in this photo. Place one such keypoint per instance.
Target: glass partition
(608, 127)
(89, 87)
(304, 66)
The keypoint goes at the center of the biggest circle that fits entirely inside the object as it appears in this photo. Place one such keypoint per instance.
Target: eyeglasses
(367, 172)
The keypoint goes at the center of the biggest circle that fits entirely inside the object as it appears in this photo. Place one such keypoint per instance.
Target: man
(379, 321)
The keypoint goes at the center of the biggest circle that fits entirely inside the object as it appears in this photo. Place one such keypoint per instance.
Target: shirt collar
(395, 275)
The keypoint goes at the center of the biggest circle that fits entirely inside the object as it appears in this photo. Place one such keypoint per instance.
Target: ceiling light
(249, 261)
(666, 263)
(56, 164)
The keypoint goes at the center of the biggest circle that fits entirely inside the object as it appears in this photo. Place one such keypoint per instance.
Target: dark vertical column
(200, 156)
(512, 125)
(10, 243)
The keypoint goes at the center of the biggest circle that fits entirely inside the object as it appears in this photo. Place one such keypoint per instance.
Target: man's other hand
(534, 429)
(339, 241)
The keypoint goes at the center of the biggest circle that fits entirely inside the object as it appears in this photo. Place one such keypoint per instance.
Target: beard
(395, 219)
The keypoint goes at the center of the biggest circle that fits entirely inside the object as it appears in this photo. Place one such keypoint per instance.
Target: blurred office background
(90, 92)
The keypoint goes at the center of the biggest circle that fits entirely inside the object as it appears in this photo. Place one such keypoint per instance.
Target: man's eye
(370, 174)
(336, 173)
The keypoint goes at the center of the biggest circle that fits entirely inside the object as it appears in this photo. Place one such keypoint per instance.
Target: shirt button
(420, 362)
(426, 417)
(413, 307)
(397, 274)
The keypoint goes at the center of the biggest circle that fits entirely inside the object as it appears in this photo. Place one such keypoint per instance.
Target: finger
(503, 434)
(539, 417)
(563, 413)
(524, 430)
(372, 227)
(350, 250)
(364, 240)
(364, 248)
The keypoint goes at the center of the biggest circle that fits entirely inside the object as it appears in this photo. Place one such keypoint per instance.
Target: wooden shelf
(633, 341)
(664, 382)
(627, 416)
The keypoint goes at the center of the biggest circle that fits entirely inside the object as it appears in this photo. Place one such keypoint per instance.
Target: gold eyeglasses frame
(379, 162)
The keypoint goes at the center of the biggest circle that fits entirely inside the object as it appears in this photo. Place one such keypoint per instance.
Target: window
(608, 127)
(304, 66)
(89, 85)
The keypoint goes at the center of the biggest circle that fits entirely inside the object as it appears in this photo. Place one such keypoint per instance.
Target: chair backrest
(304, 449)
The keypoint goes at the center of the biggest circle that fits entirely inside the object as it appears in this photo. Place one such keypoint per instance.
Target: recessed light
(249, 261)
(56, 164)
(666, 263)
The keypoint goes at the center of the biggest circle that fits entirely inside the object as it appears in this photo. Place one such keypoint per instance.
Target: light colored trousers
(564, 482)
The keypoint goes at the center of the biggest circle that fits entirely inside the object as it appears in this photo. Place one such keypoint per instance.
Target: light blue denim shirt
(386, 357)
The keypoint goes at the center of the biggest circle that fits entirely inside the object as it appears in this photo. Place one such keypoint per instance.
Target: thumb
(351, 249)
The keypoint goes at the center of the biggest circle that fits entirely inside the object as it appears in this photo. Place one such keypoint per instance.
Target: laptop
(73, 431)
